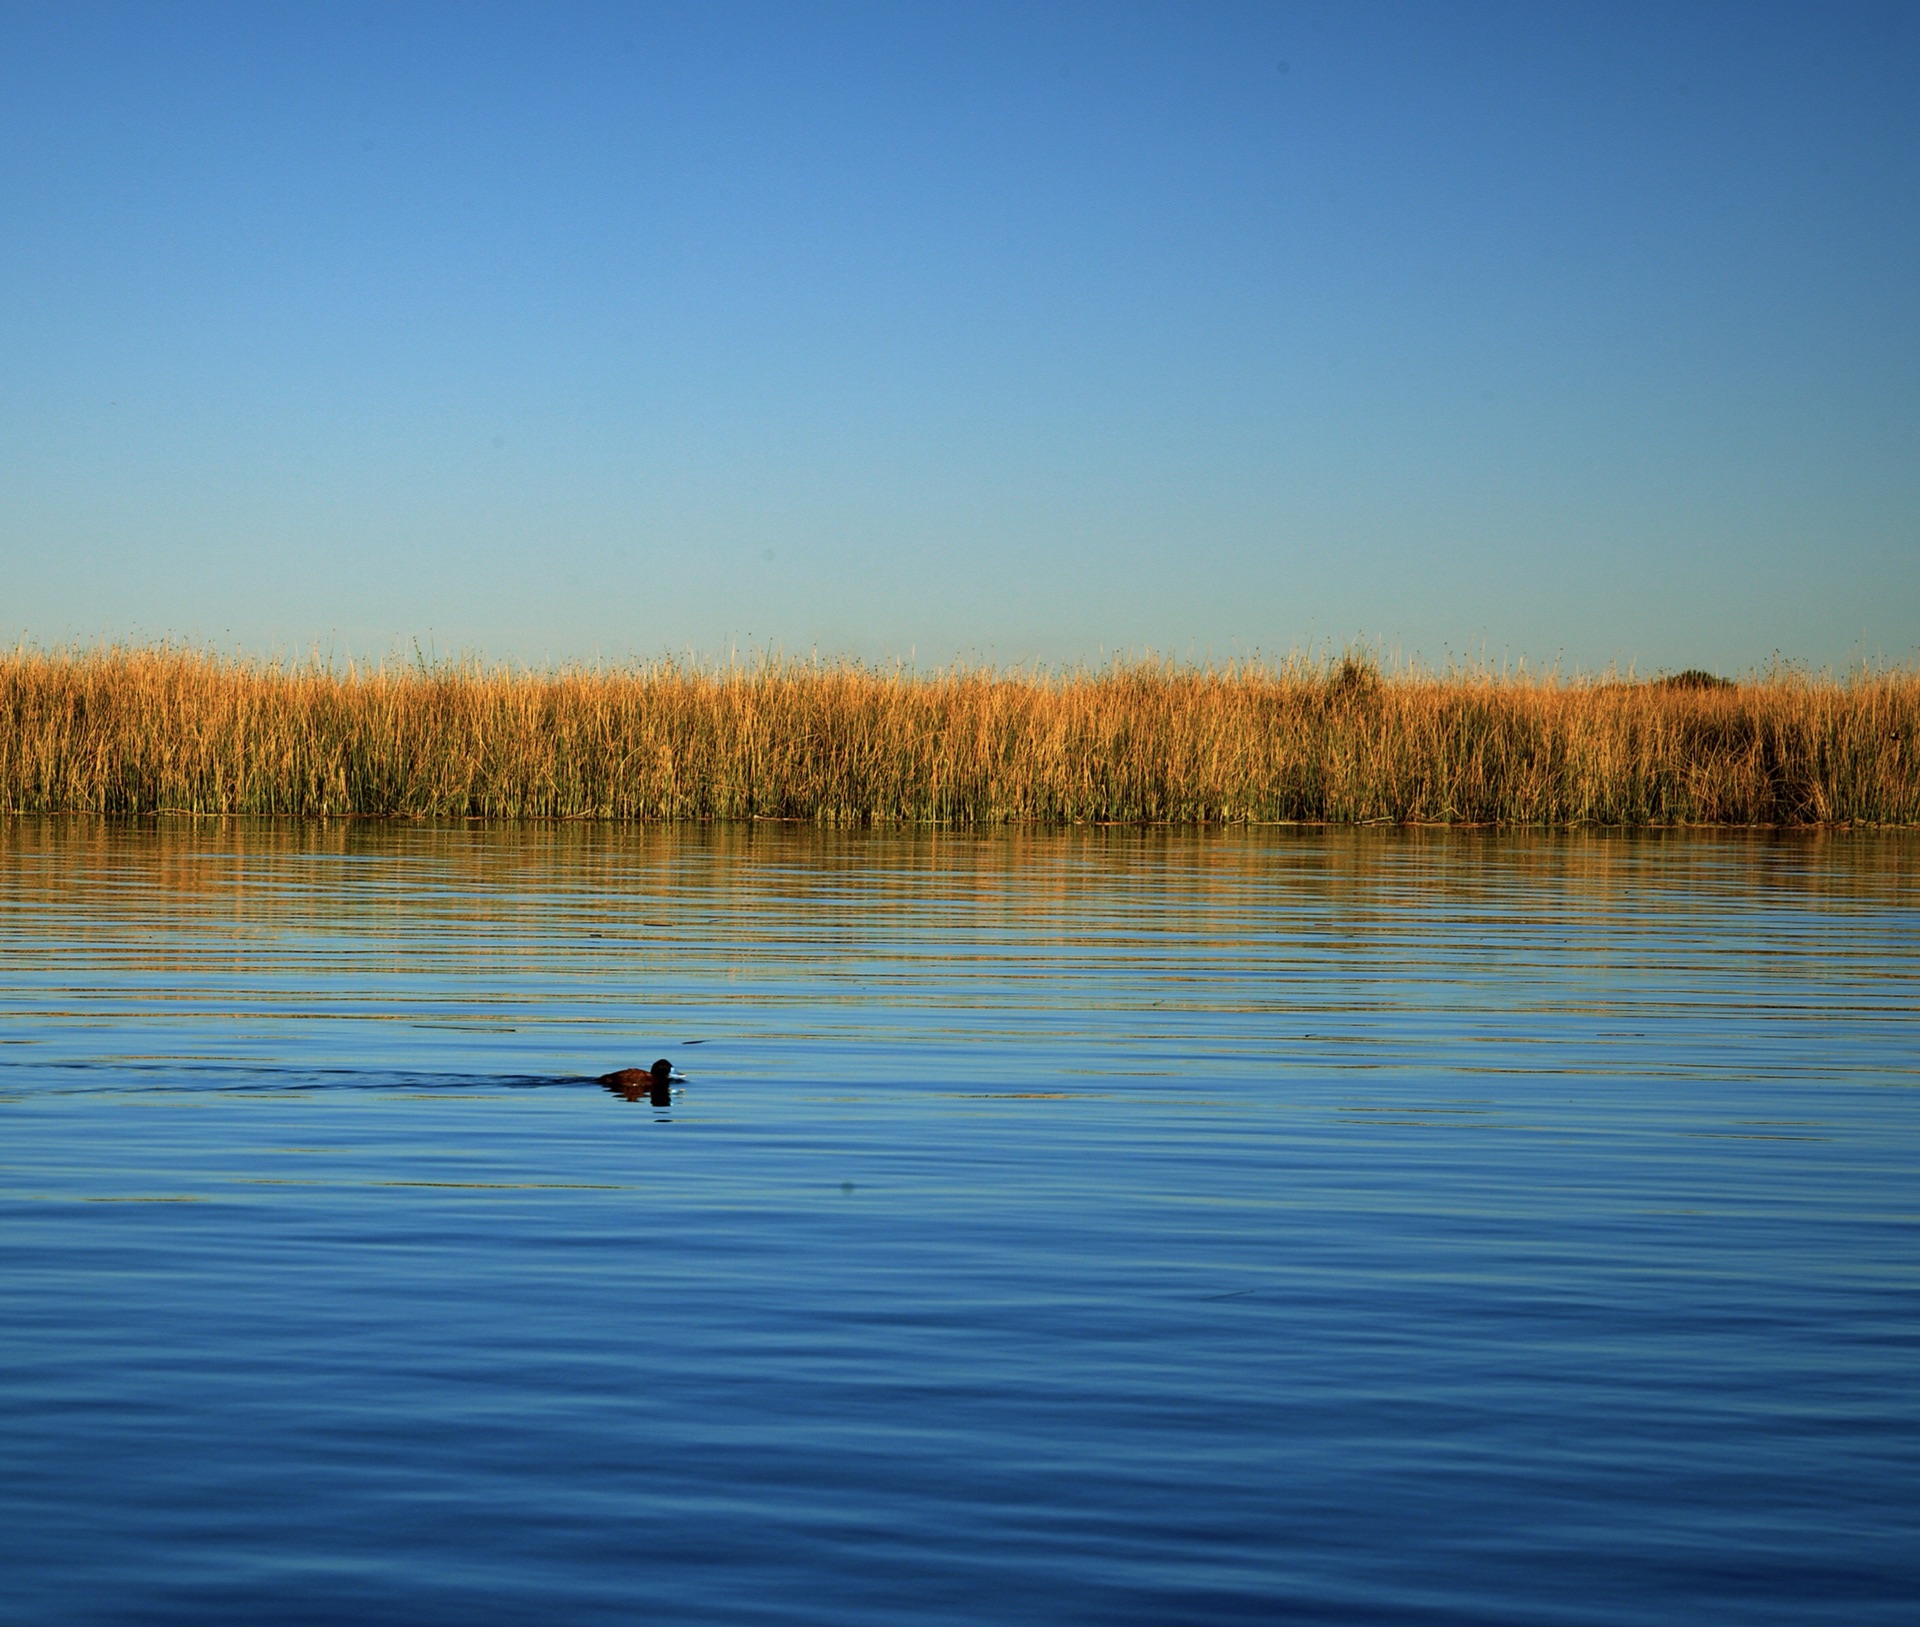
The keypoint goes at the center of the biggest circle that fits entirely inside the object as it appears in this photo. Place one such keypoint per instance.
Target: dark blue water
(1098, 1227)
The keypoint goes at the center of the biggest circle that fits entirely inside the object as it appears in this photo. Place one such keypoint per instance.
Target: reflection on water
(1104, 1225)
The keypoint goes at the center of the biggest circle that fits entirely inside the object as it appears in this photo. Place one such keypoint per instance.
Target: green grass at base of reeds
(143, 730)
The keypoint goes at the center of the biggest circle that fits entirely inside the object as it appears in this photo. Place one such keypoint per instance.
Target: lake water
(1101, 1226)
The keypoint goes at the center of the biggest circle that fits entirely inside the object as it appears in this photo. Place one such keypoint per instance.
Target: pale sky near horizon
(1577, 334)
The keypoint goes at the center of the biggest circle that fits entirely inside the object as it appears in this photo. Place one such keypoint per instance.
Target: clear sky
(558, 332)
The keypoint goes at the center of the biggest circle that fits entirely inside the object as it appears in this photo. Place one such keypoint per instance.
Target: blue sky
(547, 333)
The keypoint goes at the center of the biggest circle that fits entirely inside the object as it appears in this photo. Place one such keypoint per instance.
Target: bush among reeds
(1692, 678)
(139, 731)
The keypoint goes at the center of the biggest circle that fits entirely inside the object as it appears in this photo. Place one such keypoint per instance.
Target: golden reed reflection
(540, 894)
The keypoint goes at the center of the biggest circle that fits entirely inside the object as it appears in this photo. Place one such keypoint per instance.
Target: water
(1093, 1227)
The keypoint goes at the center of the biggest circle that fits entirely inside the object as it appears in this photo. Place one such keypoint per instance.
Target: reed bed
(132, 731)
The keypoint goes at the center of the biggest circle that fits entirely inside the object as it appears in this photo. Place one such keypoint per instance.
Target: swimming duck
(661, 1073)
(656, 1081)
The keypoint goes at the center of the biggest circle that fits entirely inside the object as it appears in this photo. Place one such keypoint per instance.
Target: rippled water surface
(1090, 1227)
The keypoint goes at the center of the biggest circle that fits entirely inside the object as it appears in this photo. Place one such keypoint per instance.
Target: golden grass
(139, 731)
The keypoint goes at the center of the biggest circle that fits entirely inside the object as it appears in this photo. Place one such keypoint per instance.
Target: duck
(661, 1073)
(630, 1082)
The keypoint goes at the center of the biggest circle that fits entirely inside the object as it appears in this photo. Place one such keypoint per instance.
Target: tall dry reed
(137, 731)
